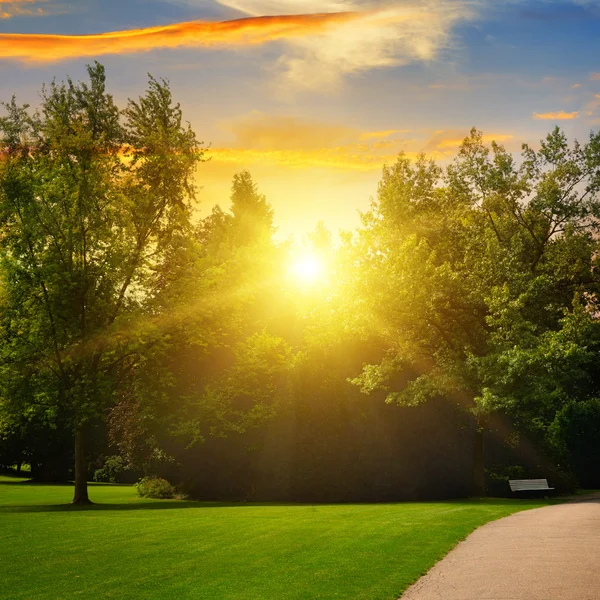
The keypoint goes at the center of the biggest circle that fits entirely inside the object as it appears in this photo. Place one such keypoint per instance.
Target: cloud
(447, 142)
(343, 158)
(594, 76)
(390, 33)
(259, 131)
(288, 7)
(298, 143)
(380, 135)
(591, 108)
(34, 48)
(286, 141)
(20, 8)
(351, 157)
(556, 116)
(323, 40)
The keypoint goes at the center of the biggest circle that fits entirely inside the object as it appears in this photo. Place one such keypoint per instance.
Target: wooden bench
(529, 485)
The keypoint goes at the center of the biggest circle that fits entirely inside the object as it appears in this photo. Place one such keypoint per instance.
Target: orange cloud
(556, 116)
(595, 76)
(379, 135)
(342, 158)
(294, 143)
(35, 48)
(19, 8)
(352, 157)
(445, 143)
(287, 141)
(260, 131)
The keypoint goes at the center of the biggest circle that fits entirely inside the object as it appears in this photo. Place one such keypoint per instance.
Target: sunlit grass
(128, 548)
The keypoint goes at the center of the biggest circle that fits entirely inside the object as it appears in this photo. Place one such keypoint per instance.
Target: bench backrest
(523, 485)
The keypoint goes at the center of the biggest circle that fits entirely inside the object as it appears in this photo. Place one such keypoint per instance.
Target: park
(346, 348)
(245, 417)
(126, 547)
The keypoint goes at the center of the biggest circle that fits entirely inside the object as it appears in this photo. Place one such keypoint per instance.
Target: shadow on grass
(198, 504)
(33, 482)
(166, 505)
(156, 505)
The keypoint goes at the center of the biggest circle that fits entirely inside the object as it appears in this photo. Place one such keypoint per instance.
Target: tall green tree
(92, 200)
(469, 275)
(221, 365)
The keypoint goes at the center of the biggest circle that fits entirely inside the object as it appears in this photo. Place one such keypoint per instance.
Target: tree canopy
(129, 326)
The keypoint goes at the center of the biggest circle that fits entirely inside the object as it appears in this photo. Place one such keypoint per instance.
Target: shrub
(109, 473)
(154, 487)
(496, 479)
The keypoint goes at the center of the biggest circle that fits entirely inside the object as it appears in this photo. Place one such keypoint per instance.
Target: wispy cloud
(343, 158)
(390, 33)
(380, 135)
(197, 34)
(560, 115)
(446, 142)
(592, 106)
(19, 8)
(325, 40)
(287, 141)
(282, 140)
(261, 131)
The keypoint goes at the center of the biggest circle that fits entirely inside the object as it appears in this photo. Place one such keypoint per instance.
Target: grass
(128, 548)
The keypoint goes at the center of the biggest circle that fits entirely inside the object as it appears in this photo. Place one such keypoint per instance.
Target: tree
(252, 215)
(92, 200)
(465, 273)
(220, 365)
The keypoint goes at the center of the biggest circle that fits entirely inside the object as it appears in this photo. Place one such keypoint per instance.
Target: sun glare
(307, 269)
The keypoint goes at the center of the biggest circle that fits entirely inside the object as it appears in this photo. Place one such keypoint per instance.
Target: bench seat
(529, 485)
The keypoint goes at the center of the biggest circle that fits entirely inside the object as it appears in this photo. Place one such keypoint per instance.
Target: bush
(109, 473)
(496, 479)
(154, 487)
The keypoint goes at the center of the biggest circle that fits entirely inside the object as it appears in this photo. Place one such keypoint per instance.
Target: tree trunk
(479, 459)
(81, 487)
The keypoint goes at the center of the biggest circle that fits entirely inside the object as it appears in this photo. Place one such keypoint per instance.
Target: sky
(314, 96)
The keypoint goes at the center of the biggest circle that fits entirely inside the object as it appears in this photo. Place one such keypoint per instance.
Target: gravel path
(550, 553)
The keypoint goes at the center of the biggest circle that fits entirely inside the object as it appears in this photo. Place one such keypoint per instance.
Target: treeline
(454, 334)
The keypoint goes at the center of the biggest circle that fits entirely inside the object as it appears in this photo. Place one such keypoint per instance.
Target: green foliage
(154, 487)
(475, 284)
(496, 479)
(506, 473)
(534, 374)
(93, 201)
(575, 432)
(481, 281)
(252, 215)
(221, 365)
(110, 472)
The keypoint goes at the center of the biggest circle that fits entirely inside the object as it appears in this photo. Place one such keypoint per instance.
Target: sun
(307, 269)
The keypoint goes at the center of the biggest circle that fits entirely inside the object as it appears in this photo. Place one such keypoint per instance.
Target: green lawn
(127, 548)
